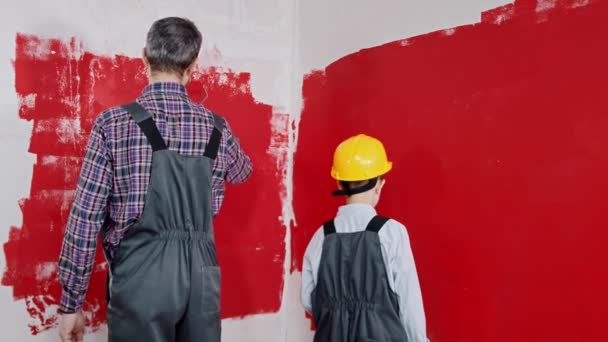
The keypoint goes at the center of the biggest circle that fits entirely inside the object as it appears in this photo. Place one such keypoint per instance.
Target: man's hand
(71, 327)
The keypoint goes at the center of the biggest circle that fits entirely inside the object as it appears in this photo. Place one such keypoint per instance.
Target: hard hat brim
(345, 178)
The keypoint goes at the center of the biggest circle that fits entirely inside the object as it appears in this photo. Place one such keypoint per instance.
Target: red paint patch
(63, 88)
(498, 134)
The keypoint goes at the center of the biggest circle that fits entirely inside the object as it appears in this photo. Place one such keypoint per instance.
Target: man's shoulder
(111, 115)
(202, 111)
(199, 109)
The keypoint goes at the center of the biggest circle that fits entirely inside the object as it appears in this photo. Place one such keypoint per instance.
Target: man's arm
(239, 166)
(407, 287)
(87, 215)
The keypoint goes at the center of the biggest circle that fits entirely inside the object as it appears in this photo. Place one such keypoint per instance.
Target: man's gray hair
(172, 44)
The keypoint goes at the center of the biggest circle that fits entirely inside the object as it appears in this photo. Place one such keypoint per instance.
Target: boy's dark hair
(356, 187)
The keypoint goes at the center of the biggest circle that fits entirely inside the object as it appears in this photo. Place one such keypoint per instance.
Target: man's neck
(165, 77)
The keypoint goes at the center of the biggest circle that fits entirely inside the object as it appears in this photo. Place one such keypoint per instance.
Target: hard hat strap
(348, 191)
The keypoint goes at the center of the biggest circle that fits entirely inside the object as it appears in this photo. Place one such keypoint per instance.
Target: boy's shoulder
(392, 223)
(394, 230)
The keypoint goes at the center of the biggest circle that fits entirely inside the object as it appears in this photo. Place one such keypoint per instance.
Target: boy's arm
(407, 288)
(310, 266)
(87, 215)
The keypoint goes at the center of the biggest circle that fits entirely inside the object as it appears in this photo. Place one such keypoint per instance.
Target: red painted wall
(499, 137)
(71, 86)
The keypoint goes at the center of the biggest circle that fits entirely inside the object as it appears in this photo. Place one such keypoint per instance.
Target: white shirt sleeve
(310, 266)
(407, 288)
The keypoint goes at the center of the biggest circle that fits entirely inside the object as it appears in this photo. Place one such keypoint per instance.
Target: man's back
(116, 173)
(181, 188)
(186, 128)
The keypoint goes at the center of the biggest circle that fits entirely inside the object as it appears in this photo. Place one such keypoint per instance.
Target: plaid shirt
(116, 171)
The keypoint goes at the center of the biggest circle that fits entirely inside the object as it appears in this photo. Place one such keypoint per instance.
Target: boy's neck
(359, 200)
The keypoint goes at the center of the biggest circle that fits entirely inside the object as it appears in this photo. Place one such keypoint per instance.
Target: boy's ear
(380, 185)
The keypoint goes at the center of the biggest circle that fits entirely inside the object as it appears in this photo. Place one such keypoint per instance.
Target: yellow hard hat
(360, 158)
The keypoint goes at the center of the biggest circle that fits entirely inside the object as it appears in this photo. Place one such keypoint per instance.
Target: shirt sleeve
(310, 266)
(239, 166)
(407, 288)
(87, 215)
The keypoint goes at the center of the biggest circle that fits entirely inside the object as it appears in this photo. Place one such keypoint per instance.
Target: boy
(359, 279)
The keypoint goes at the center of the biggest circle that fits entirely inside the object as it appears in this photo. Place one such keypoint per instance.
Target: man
(151, 182)
(359, 279)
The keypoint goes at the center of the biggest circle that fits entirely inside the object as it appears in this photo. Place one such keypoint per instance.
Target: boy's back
(359, 279)
(360, 284)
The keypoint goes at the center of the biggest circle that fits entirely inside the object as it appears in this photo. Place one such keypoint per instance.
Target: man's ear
(190, 68)
(145, 58)
(187, 76)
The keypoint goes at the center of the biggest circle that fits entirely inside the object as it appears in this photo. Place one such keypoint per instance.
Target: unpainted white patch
(253, 328)
(68, 198)
(506, 13)
(279, 148)
(223, 79)
(48, 160)
(73, 101)
(69, 131)
(449, 32)
(279, 124)
(404, 42)
(45, 271)
(298, 326)
(76, 49)
(45, 312)
(102, 267)
(38, 49)
(501, 18)
(28, 101)
(580, 3)
(233, 85)
(545, 5)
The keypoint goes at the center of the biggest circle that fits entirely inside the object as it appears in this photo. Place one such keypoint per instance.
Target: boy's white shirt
(398, 260)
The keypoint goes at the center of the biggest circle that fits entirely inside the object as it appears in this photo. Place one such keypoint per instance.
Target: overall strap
(145, 121)
(213, 145)
(329, 227)
(376, 224)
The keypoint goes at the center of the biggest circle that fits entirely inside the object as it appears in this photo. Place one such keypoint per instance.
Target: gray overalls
(352, 300)
(165, 280)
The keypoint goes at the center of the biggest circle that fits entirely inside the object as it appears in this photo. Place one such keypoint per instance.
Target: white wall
(251, 36)
(278, 41)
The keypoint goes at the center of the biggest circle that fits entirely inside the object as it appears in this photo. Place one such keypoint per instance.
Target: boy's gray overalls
(352, 300)
(165, 280)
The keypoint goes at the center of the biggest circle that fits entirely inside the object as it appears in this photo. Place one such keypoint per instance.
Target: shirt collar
(164, 88)
(356, 208)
